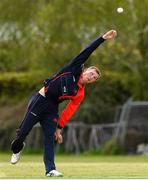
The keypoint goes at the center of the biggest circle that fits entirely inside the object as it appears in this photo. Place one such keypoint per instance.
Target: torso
(62, 88)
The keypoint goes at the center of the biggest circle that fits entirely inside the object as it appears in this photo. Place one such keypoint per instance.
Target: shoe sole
(56, 176)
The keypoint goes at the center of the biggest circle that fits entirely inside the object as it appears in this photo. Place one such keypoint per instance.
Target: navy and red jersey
(65, 84)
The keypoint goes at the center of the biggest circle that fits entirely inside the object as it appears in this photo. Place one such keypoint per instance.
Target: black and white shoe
(54, 173)
(15, 157)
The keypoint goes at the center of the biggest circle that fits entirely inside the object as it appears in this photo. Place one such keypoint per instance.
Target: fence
(77, 137)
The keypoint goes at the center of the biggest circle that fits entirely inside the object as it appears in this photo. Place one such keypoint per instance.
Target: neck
(82, 82)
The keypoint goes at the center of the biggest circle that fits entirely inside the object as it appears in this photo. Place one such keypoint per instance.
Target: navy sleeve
(79, 60)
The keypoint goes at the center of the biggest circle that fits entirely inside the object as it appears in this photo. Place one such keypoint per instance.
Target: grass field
(77, 167)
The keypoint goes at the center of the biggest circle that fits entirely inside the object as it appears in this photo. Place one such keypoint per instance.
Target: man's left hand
(58, 136)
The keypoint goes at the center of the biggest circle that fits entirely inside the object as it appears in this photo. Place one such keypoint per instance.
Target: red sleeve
(70, 108)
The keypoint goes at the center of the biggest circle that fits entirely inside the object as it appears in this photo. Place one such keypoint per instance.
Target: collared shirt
(66, 84)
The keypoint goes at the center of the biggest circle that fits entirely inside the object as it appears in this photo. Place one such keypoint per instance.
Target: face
(89, 76)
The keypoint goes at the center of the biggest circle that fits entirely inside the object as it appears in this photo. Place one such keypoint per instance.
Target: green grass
(77, 167)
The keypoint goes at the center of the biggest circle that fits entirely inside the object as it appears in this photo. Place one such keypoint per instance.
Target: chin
(88, 82)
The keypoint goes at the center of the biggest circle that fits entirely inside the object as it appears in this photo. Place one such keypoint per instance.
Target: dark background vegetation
(38, 37)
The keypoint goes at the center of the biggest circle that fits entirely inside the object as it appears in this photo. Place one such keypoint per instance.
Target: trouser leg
(28, 123)
(30, 119)
(49, 126)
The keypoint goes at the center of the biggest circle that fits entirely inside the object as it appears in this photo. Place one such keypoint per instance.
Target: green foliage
(44, 35)
(20, 84)
(111, 147)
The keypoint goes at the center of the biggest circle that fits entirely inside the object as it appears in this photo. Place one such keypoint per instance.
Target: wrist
(103, 37)
(58, 130)
(59, 127)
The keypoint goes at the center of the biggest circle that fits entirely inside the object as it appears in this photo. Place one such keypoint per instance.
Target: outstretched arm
(83, 56)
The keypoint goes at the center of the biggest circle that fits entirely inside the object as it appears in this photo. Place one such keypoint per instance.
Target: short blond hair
(94, 67)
